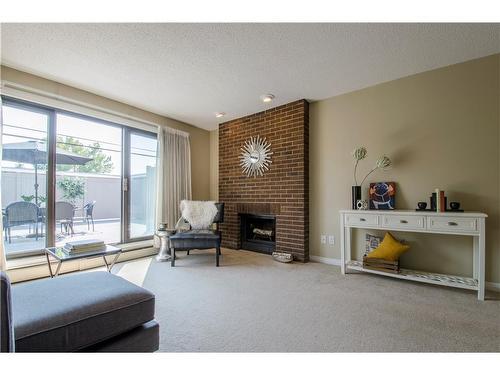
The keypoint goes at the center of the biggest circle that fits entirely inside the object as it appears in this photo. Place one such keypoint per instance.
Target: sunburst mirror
(255, 156)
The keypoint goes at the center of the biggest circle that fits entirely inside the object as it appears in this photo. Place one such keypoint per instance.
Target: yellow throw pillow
(389, 249)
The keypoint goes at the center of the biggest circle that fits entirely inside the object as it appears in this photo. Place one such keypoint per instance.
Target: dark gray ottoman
(93, 311)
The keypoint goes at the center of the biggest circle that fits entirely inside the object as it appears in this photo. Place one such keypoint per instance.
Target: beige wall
(200, 139)
(441, 129)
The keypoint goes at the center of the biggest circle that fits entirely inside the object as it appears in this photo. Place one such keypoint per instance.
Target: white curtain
(174, 174)
(3, 265)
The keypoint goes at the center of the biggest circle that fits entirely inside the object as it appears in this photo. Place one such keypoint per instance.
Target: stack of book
(84, 246)
(381, 265)
(440, 201)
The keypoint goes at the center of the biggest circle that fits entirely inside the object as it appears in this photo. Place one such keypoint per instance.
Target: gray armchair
(199, 238)
(20, 213)
(65, 213)
(88, 214)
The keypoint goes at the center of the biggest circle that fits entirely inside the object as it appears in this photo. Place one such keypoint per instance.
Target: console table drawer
(403, 222)
(361, 220)
(453, 224)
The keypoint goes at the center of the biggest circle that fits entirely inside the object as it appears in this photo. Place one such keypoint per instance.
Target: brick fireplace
(283, 191)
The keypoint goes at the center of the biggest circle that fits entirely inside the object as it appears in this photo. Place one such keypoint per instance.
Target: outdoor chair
(199, 238)
(88, 214)
(65, 212)
(20, 213)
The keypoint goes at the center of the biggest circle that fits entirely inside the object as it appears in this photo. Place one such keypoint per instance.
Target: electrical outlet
(323, 239)
(331, 240)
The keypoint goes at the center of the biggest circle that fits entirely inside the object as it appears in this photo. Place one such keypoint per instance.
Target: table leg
(342, 245)
(48, 264)
(105, 262)
(347, 247)
(475, 257)
(58, 268)
(481, 261)
(110, 266)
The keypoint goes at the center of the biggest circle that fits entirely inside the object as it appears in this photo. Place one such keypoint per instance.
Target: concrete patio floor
(107, 230)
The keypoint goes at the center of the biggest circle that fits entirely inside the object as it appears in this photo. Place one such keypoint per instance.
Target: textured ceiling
(190, 71)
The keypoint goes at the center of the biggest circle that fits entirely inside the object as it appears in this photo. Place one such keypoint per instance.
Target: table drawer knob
(403, 221)
(452, 223)
(362, 219)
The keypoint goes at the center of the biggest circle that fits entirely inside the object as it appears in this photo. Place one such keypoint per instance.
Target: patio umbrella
(35, 152)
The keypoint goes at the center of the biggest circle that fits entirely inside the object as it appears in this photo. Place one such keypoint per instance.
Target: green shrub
(73, 188)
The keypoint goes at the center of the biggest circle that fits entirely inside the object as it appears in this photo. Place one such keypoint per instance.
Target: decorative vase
(362, 204)
(355, 195)
(422, 205)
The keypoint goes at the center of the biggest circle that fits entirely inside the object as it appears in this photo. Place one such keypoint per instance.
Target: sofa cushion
(72, 312)
(196, 234)
(196, 239)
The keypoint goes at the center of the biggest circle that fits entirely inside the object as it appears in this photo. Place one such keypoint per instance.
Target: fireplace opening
(258, 233)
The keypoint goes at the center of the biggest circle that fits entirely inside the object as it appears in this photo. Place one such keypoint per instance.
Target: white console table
(456, 223)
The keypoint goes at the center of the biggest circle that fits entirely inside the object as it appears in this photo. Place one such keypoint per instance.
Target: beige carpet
(253, 304)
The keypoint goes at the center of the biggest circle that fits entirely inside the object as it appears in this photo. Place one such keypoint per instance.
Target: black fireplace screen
(258, 233)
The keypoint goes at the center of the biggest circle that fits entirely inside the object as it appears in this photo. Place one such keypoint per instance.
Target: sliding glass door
(68, 177)
(88, 187)
(24, 178)
(140, 174)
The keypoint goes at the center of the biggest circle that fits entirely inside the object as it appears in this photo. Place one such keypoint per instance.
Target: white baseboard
(494, 287)
(331, 261)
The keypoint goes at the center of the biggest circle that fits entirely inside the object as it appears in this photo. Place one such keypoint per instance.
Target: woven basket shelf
(421, 276)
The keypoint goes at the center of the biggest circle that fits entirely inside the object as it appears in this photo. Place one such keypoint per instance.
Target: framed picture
(382, 195)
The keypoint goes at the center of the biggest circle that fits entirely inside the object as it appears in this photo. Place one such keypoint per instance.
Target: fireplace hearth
(258, 233)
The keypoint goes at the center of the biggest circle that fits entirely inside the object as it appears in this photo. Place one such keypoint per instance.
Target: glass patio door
(69, 177)
(88, 185)
(139, 184)
(24, 178)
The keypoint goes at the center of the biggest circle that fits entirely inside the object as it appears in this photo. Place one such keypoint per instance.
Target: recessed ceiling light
(220, 114)
(267, 98)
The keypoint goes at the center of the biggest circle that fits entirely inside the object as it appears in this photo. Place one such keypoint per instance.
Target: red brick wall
(284, 188)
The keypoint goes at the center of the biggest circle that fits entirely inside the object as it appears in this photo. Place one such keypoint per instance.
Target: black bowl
(455, 205)
(422, 205)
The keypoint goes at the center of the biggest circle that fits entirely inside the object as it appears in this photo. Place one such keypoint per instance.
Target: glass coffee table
(61, 256)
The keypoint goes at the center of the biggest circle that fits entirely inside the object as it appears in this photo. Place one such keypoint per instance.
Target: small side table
(164, 252)
(62, 256)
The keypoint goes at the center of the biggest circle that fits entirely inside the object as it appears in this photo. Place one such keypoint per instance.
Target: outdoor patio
(103, 190)
(23, 239)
